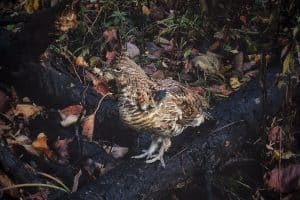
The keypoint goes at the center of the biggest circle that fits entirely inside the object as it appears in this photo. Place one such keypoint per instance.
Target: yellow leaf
(288, 63)
(31, 6)
(146, 10)
(234, 83)
(27, 110)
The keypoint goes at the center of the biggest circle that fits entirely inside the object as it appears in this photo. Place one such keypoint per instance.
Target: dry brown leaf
(110, 35)
(70, 115)
(72, 110)
(215, 46)
(116, 151)
(285, 179)
(88, 126)
(41, 144)
(99, 85)
(5, 181)
(61, 146)
(27, 110)
(275, 134)
(24, 141)
(219, 89)
(110, 55)
(239, 61)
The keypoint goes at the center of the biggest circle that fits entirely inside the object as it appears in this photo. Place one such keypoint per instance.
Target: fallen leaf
(146, 11)
(234, 83)
(69, 120)
(61, 146)
(70, 115)
(40, 143)
(275, 134)
(79, 61)
(110, 55)
(24, 141)
(215, 46)
(219, 89)
(288, 63)
(99, 85)
(283, 180)
(5, 181)
(132, 50)
(88, 126)
(27, 110)
(239, 61)
(72, 110)
(110, 35)
(116, 151)
(31, 6)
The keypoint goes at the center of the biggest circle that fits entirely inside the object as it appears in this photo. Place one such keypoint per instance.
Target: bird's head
(124, 71)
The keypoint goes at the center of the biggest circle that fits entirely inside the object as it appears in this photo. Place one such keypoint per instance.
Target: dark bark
(237, 119)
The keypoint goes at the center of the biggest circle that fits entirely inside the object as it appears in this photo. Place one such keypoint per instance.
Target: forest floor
(215, 48)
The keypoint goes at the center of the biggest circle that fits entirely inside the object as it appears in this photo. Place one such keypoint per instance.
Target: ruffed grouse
(162, 108)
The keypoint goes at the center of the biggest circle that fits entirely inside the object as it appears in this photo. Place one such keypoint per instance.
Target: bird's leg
(148, 153)
(166, 143)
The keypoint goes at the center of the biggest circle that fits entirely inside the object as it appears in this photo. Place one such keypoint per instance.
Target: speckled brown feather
(179, 107)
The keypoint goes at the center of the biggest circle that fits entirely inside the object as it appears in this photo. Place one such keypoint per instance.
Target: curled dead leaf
(27, 110)
(40, 143)
(88, 126)
(284, 179)
(79, 61)
(110, 35)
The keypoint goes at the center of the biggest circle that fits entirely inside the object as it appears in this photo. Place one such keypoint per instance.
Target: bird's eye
(118, 69)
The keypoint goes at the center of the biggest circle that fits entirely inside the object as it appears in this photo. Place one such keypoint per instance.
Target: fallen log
(237, 119)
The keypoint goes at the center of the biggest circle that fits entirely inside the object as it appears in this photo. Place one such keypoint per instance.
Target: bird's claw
(155, 158)
(145, 153)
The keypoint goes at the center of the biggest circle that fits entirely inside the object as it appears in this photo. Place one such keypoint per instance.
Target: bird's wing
(190, 103)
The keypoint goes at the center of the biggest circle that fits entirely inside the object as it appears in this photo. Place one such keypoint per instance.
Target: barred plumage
(162, 108)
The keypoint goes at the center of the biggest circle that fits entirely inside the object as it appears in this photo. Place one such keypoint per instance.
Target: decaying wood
(237, 119)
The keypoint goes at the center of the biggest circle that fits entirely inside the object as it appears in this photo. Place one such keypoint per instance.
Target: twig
(101, 100)
(226, 126)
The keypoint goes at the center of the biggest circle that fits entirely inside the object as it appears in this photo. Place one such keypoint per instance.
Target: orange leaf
(88, 126)
(72, 110)
(41, 144)
(79, 61)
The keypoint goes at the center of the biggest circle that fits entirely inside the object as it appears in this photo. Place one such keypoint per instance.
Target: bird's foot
(146, 154)
(155, 158)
